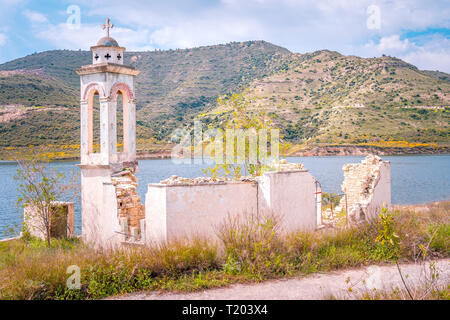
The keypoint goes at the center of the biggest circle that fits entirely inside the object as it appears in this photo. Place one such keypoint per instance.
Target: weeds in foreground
(440, 293)
(389, 241)
(250, 249)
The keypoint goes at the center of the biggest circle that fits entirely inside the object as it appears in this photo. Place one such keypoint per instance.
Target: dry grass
(29, 271)
(251, 249)
(421, 293)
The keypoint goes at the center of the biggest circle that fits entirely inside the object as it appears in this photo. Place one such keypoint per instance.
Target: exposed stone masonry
(360, 180)
(129, 204)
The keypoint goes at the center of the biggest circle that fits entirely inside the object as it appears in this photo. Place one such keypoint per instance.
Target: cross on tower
(108, 25)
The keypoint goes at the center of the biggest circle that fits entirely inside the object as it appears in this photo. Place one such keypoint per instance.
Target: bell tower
(110, 207)
(106, 77)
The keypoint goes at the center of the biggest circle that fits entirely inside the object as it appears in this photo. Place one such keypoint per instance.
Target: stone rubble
(129, 204)
(176, 180)
(281, 165)
(359, 183)
(335, 218)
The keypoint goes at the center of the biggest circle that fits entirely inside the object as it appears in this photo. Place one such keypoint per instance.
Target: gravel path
(317, 286)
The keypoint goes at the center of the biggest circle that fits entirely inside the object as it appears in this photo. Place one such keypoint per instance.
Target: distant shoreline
(310, 151)
(332, 151)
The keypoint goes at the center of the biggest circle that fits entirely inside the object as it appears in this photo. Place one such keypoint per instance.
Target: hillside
(437, 74)
(22, 88)
(173, 86)
(325, 98)
(318, 99)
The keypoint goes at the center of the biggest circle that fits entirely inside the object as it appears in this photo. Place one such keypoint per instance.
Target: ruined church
(113, 213)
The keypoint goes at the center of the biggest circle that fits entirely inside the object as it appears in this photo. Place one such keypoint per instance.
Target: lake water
(415, 179)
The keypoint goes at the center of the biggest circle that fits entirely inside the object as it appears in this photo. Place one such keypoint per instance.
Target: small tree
(244, 114)
(39, 188)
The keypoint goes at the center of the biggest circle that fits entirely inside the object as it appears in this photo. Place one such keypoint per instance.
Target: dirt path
(318, 286)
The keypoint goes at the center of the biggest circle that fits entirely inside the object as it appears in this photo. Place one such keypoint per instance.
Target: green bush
(251, 247)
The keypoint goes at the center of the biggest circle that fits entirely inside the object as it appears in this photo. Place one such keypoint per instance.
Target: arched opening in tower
(94, 123)
(119, 118)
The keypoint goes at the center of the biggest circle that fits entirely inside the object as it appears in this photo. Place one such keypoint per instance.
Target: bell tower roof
(107, 42)
(107, 50)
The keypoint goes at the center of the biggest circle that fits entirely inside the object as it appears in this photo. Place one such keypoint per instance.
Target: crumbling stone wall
(61, 220)
(130, 210)
(367, 187)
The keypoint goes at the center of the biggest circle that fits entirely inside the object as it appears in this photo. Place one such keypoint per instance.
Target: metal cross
(108, 25)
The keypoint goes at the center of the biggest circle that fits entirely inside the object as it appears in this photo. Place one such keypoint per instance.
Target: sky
(414, 30)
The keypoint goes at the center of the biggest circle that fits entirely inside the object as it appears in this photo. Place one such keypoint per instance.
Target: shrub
(251, 247)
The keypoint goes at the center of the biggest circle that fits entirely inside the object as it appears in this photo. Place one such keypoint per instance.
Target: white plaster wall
(189, 211)
(186, 211)
(291, 196)
(318, 198)
(106, 80)
(36, 226)
(113, 52)
(87, 79)
(381, 193)
(108, 121)
(113, 78)
(99, 207)
(109, 217)
(155, 214)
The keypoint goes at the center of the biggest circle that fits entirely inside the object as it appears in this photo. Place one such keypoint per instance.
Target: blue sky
(416, 31)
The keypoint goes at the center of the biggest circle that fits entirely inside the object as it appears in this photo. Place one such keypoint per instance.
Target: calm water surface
(415, 179)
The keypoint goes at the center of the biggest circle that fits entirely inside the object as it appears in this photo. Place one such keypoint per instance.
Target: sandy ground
(318, 286)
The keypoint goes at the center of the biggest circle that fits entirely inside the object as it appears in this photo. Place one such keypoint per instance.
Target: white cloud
(393, 43)
(35, 17)
(11, 2)
(63, 36)
(429, 60)
(299, 25)
(432, 54)
(2, 39)
(206, 31)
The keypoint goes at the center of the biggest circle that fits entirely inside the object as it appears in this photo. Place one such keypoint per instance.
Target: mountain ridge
(308, 94)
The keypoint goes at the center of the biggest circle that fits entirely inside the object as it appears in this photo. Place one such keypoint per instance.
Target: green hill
(326, 98)
(173, 85)
(32, 90)
(437, 74)
(319, 98)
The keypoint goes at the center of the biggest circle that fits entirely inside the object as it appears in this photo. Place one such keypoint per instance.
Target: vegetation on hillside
(31, 90)
(319, 98)
(325, 98)
(173, 86)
